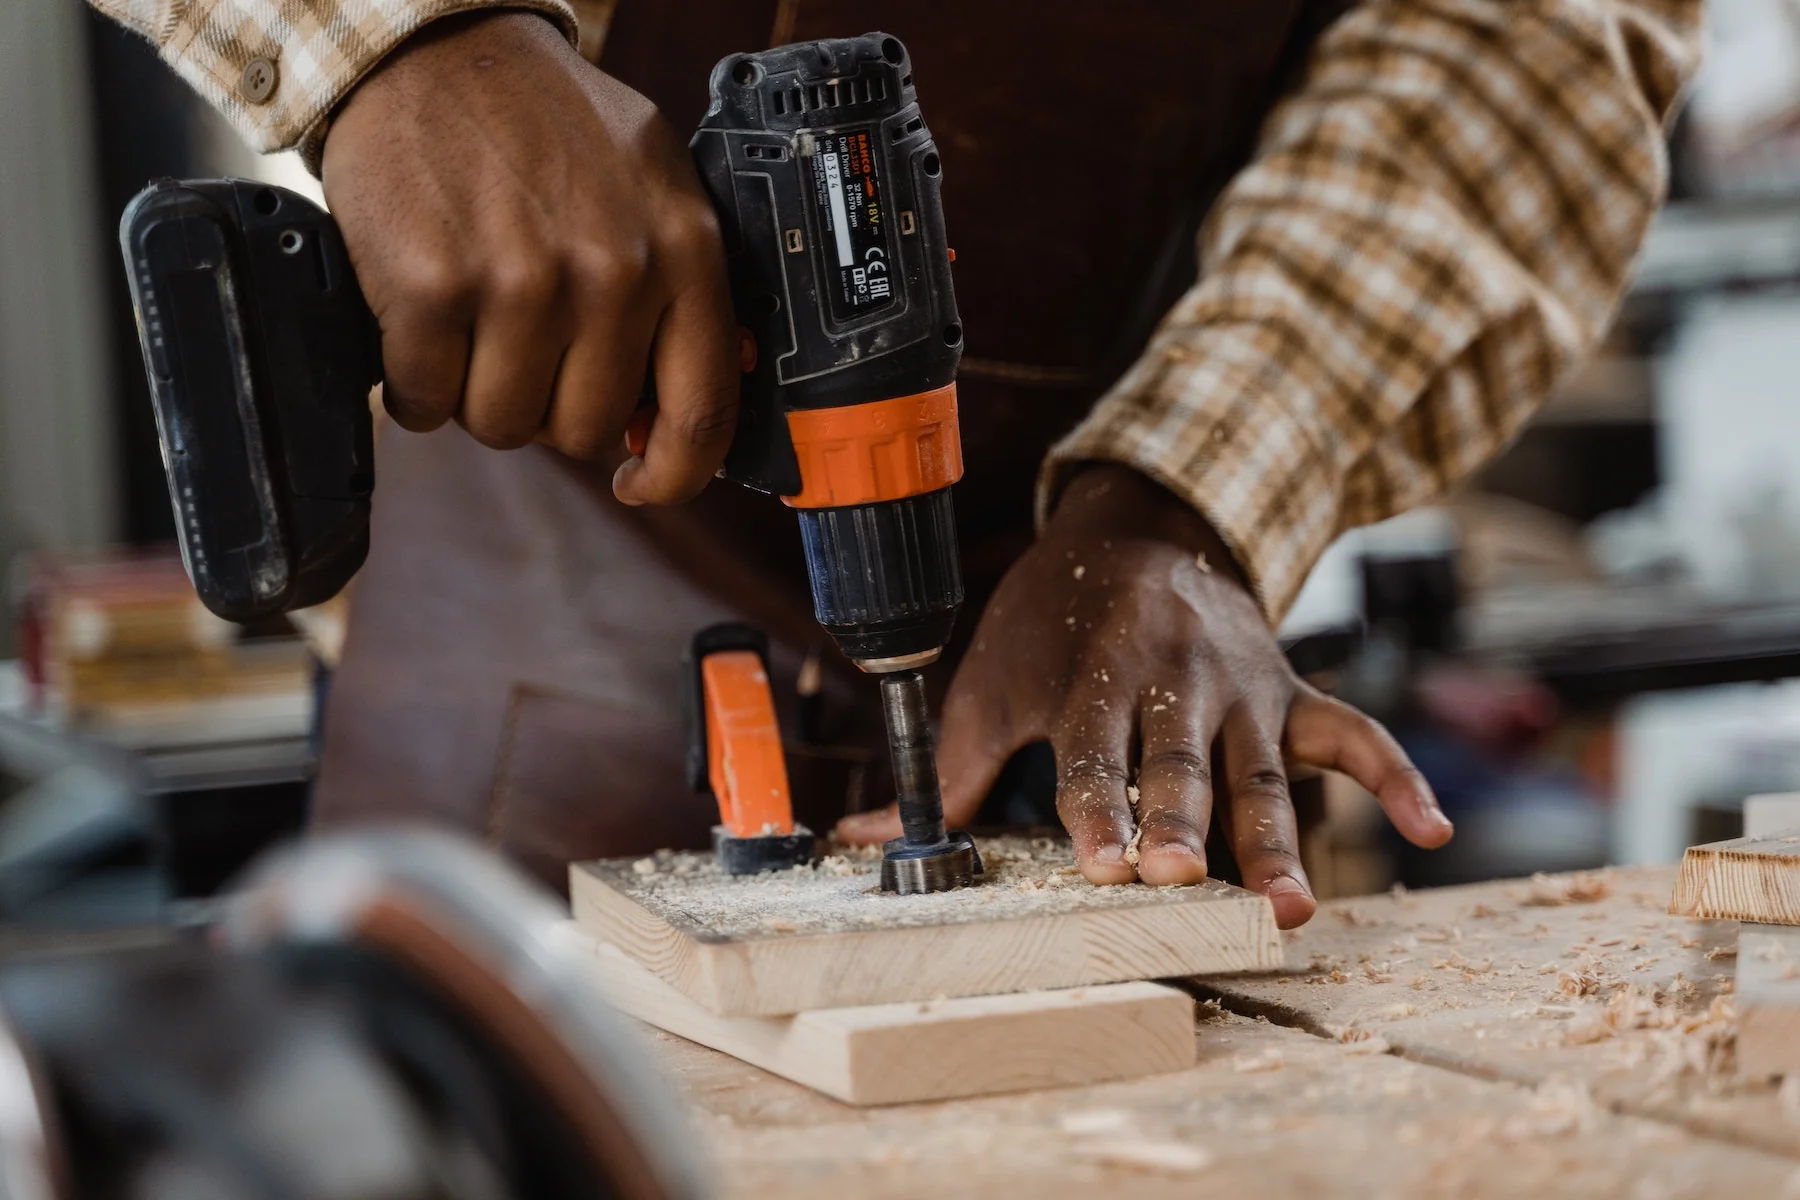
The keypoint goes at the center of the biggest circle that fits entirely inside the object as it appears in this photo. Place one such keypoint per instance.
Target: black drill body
(261, 349)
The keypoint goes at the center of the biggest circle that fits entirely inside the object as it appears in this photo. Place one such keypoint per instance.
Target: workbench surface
(1563, 1037)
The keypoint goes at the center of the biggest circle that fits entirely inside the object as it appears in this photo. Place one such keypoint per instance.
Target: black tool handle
(260, 352)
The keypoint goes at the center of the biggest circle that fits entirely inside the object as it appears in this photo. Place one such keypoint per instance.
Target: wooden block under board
(827, 937)
(937, 1050)
(1768, 1000)
(1744, 879)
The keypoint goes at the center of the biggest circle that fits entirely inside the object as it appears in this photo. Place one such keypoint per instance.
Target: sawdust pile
(1025, 876)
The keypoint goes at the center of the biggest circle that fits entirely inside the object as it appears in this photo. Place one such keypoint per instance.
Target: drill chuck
(885, 579)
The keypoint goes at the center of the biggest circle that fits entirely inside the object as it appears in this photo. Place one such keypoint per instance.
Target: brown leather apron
(511, 664)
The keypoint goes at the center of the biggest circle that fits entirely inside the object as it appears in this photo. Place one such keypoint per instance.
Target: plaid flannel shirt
(1437, 224)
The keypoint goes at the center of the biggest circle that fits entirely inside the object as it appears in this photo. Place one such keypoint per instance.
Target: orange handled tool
(734, 751)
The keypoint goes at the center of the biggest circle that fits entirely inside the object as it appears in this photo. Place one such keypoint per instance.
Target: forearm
(306, 56)
(1436, 226)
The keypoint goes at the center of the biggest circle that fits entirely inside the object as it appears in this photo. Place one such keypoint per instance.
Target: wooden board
(1768, 1000)
(826, 937)
(900, 1053)
(1582, 978)
(1266, 1112)
(1744, 879)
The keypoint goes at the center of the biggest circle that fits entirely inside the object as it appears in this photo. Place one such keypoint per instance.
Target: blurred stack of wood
(118, 640)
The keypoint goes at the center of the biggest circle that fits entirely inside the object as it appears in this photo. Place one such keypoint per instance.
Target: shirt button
(258, 81)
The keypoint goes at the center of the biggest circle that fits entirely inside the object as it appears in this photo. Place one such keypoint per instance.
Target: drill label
(850, 206)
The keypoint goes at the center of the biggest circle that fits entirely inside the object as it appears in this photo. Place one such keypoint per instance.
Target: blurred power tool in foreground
(388, 1016)
(260, 352)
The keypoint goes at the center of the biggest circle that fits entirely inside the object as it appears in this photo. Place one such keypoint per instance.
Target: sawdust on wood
(1024, 877)
(1583, 887)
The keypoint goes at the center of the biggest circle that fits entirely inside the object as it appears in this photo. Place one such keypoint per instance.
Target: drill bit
(925, 857)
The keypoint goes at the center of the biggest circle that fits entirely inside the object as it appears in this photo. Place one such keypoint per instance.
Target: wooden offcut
(936, 1050)
(827, 937)
(1768, 1000)
(1744, 879)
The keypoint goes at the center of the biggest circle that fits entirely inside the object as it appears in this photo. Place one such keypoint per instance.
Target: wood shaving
(1146, 1154)
(1267, 1060)
(1132, 853)
(1558, 1108)
(1718, 952)
(1585, 887)
(1368, 1045)
(1095, 1120)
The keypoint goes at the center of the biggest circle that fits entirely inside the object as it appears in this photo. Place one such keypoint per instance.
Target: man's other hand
(530, 234)
(1126, 638)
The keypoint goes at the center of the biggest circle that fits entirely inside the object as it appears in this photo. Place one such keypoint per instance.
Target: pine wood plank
(1768, 1000)
(901, 1053)
(1744, 879)
(1586, 978)
(825, 937)
(1266, 1112)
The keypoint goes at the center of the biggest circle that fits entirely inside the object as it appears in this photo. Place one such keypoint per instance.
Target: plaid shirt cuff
(277, 68)
(1437, 225)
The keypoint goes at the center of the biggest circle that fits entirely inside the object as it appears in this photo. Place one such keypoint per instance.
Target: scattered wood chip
(1146, 1154)
(1095, 1120)
(1584, 887)
(1718, 952)
(1270, 1059)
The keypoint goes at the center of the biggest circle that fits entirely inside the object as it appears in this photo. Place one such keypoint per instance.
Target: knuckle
(692, 226)
(1265, 782)
(432, 284)
(524, 280)
(416, 410)
(497, 432)
(1096, 767)
(583, 444)
(1175, 824)
(1181, 762)
(610, 269)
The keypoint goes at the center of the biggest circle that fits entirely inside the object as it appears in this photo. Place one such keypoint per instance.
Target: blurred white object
(1772, 812)
(1745, 107)
(1679, 748)
(1730, 440)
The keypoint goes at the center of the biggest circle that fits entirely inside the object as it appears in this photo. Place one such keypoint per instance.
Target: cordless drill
(260, 351)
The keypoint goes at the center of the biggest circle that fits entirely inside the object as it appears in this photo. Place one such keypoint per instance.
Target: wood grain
(1266, 1113)
(878, 950)
(1744, 879)
(1504, 1076)
(901, 1053)
(1768, 1000)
